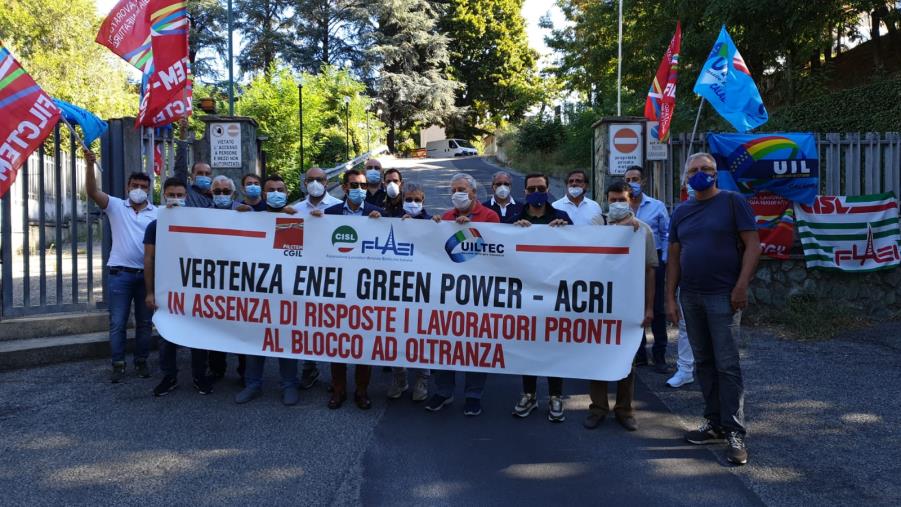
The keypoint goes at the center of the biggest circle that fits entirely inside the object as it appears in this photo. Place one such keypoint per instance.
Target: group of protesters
(698, 264)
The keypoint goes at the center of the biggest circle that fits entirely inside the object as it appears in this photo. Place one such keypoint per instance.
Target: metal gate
(54, 241)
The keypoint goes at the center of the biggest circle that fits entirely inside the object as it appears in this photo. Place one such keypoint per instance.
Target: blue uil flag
(726, 83)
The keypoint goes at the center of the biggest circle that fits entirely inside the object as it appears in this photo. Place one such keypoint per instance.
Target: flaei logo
(289, 236)
(464, 245)
(399, 249)
(345, 238)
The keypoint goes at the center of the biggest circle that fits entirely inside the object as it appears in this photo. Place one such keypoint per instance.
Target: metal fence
(850, 164)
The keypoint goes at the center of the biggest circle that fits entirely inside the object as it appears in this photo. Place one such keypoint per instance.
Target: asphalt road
(69, 437)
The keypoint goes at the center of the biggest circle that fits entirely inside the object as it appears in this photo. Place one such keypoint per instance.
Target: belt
(115, 269)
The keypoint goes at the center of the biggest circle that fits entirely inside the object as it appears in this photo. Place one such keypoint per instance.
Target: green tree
(490, 55)
(273, 103)
(331, 32)
(54, 42)
(208, 35)
(413, 84)
(264, 25)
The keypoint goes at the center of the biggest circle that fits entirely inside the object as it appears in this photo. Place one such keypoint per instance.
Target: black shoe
(437, 402)
(203, 385)
(627, 421)
(472, 407)
(308, 378)
(166, 386)
(705, 434)
(142, 370)
(737, 453)
(118, 372)
(661, 367)
(593, 420)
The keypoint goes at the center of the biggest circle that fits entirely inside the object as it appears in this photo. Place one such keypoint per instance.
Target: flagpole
(694, 130)
(80, 139)
(619, 64)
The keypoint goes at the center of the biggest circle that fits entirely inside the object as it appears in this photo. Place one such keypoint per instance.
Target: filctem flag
(853, 233)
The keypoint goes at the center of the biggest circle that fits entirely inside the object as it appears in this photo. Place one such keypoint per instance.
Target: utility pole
(300, 114)
(231, 76)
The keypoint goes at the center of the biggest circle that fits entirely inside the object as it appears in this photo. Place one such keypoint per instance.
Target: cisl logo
(289, 236)
(345, 238)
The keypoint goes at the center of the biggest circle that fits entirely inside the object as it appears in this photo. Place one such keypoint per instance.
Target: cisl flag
(166, 96)
(27, 116)
(853, 233)
(661, 101)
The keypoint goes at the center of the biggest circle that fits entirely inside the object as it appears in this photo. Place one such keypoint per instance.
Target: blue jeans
(287, 370)
(445, 381)
(169, 366)
(125, 288)
(712, 330)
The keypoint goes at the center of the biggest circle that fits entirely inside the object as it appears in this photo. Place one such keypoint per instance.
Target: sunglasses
(412, 199)
(536, 189)
(222, 191)
(356, 184)
(373, 167)
(321, 179)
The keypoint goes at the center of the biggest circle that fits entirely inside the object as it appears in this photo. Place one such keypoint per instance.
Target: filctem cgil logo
(345, 238)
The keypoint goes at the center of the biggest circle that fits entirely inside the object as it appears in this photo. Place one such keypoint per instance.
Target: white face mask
(175, 201)
(315, 189)
(413, 208)
(137, 195)
(619, 211)
(575, 191)
(502, 191)
(392, 189)
(461, 200)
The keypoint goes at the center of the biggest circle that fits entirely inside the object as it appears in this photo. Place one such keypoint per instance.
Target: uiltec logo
(345, 238)
(465, 244)
(289, 236)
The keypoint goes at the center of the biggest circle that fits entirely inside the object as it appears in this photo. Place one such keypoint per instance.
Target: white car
(450, 148)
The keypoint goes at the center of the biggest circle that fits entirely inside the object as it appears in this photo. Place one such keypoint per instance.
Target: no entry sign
(625, 147)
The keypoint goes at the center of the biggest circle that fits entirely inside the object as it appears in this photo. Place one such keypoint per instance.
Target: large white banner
(565, 302)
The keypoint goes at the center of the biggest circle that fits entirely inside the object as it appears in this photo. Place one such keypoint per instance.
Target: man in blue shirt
(652, 212)
(714, 249)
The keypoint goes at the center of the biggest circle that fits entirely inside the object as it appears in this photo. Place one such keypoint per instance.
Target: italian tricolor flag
(858, 233)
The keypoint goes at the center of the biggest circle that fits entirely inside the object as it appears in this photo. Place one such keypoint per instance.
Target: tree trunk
(392, 136)
(874, 36)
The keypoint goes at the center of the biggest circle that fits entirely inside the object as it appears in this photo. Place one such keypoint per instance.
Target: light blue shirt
(348, 211)
(653, 212)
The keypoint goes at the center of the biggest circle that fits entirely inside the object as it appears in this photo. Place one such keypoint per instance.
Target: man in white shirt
(318, 198)
(580, 209)
(501, 201)
(128, 218)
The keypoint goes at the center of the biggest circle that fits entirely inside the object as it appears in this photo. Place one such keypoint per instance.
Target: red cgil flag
(126, 32)
(27, 116)
(167, 89)
(661, 101)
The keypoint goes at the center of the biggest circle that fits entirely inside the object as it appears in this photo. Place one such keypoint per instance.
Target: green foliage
(490, 55)
(551, 147)
(54, 42)
(333, 32)
(208, 28)
(413, 87)
(538, 134)
(273, 102)
(871, 108)
(263, 25)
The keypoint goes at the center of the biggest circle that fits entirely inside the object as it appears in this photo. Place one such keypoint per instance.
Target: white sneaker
(399, 386)
(680, 379)
(527, 403)
(555, 409)
(421, 388)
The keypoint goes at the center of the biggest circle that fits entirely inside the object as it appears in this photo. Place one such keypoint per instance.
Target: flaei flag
(726, 83)
(853, 233)
(27, 117)
(166, 94)
(126, 32)
(661, 101)
(91, 126)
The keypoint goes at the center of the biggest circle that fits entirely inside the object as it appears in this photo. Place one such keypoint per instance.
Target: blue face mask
(537, 199)
(222, 201)
(203, 182)
(373, 176)
(253, 191)
(636, 188)
(701, 181)
(276, 199)
(356, 195)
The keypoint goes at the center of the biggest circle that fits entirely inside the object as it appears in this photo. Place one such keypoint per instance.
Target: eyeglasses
(356, 184)
(575, 182)
(412, 199)
(499, 183)
(536, 189)
(706, 169)
(321, 179)
(373, 167)
(222, 191)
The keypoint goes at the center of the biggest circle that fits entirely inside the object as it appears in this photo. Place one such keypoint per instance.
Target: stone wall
(877, 294)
